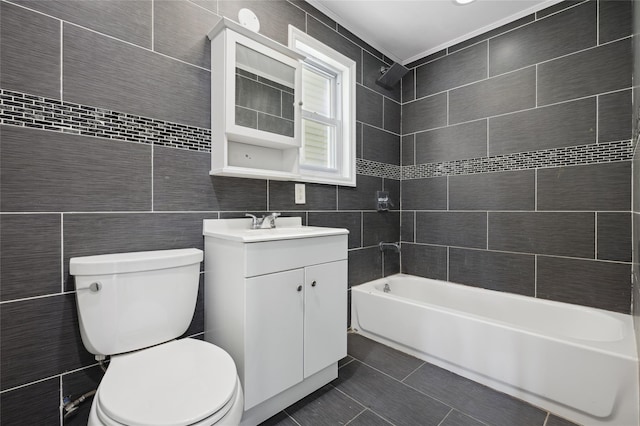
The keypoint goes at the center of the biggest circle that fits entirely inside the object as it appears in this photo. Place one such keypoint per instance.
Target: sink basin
(287, 228)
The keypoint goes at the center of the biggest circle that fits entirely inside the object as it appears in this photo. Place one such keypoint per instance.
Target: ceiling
(406, 30)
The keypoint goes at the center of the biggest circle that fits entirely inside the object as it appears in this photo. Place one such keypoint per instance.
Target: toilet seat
(178, 383)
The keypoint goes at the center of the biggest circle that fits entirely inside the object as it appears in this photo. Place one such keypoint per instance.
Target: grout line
(445, 417)
(598, 22)
(289, 416)
(595, 233)
(535, 190)
(447, 189)
(356, 416)
(415, 146)
(448, 108)
(267, 182)
(523, 68)
(62, 61)
(414, 370)
(61, 252)
(555, 256)
(487, 120)
(378, 128)
(488, 61)
(536, 87)
(40, 296)
(61, 407)
(153, 22)
(535, 275)
(598, 118)
(448, 262)
(487, 230)
(152, 179)
(516, 111)
(362, 229)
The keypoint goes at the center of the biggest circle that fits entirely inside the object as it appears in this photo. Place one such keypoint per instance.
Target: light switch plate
(301, 197)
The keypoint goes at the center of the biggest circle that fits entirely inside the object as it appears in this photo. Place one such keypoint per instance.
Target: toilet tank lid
(118, 263)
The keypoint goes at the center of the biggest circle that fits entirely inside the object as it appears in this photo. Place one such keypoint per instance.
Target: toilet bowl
(133, 306)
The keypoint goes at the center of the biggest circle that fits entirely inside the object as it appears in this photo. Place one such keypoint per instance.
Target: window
(327, 112)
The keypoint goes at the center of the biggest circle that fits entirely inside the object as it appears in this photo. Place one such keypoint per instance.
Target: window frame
(322, 57)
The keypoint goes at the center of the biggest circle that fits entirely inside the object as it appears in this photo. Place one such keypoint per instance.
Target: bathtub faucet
(393, 246)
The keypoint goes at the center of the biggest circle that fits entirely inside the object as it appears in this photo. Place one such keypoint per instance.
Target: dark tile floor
(378, 385)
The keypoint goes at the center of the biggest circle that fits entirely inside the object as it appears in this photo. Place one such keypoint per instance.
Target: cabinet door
(325, 322)
(273, 335)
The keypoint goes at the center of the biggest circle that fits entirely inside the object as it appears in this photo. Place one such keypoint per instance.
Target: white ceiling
(406, 30)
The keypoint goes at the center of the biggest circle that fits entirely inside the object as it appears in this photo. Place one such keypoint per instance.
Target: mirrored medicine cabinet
(253, 98)
(259, 125)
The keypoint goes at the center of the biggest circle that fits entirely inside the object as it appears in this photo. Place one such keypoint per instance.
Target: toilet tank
(130, 301)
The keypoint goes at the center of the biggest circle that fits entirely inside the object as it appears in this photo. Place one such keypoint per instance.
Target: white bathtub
(577, 362)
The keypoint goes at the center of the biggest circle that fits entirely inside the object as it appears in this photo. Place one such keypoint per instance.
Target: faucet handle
(271, 219)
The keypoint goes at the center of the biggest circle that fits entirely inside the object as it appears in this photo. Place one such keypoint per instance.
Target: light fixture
(463, 2)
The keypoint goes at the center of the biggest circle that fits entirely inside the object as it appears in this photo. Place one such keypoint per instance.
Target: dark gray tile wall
(602, 285)
(49, 171)
(615, 116)
(566, 124)
(126, 20)
(105, 141)
(493, 191)
(424, 260)
(492, 270)
(188, 43)
(424, 114)
(509, 170)
(459, 68)
(559, 233)
(460, 229)
(111, 74)
(592, 187)
(498, 95)
(602, 69)
(30, 56)
(434, 146)
(563, 33)
(41, 398)
(25, 240)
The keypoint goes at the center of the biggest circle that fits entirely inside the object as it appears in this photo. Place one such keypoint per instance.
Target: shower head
(390, 76)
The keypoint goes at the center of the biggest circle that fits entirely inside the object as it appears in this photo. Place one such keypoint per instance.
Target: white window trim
(345, 174)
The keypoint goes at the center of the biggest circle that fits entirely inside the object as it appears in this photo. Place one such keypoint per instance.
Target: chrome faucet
(268, 221)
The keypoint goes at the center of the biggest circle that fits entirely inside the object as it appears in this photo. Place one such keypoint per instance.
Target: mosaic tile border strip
(22, 109)
(25, 110)
(566, 156)
(373, 168)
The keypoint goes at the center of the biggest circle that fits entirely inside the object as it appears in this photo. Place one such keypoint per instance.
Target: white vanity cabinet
(277, 302)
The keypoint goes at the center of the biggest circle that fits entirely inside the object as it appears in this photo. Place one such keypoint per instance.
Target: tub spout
(393, 246)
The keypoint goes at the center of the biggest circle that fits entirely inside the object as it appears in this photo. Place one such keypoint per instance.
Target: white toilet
(133, 306)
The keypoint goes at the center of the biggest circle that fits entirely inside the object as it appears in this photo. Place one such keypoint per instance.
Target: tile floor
(378, 385)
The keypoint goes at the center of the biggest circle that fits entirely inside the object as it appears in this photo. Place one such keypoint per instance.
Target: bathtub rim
(624, 348)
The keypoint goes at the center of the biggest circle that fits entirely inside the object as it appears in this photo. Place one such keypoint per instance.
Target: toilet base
(274, 405)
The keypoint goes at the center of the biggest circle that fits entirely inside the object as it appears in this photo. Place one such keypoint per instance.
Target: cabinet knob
(299, 288)
(313, 284)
